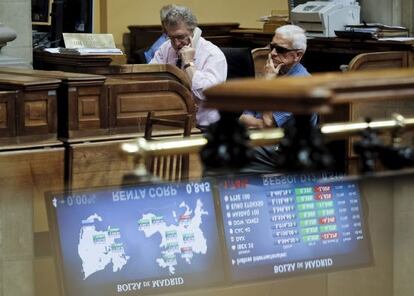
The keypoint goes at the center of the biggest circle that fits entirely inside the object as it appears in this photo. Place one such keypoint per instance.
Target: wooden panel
(260, 56)
(25, 176)
(35, 107)
(379, 60)
(4, 115)
(138, 104)
(88, 109)
(97, 164)
(82, 102)
(129, 103)
(84, 111)
(37, 113)
(7, 114)
(102, 164)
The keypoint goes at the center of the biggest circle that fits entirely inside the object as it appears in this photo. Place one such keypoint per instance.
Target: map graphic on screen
(282, 225)
(142, 240)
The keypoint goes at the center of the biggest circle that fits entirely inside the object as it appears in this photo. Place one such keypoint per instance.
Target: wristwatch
(190, 64)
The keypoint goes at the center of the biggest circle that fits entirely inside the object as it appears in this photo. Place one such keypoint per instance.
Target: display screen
(137, 240)
(282, 225)
(167, 237)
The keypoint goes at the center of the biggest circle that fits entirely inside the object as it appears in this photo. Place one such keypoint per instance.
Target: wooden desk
(324, 54)
(327, 54)
(130, 101)
(100, 65)
(43, 60)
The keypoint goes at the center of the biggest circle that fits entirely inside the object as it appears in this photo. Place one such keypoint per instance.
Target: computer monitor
(222, 232)
(144, 239)
(41, 10)
(51, 18)
(285, 225)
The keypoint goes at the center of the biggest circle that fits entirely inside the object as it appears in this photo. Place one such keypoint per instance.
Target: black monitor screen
(140, 240)
(282, 225)
(41, 10)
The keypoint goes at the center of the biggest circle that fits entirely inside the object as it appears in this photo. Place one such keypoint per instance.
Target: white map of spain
(99, 248)
(184, 239)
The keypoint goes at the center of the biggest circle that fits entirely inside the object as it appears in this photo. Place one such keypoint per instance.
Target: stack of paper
(277, 19)
(91, 51)
(378, 30)
(89, 44)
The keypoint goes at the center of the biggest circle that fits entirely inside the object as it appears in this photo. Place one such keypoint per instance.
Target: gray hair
(164, 11)
(295, 34)
(179, 14)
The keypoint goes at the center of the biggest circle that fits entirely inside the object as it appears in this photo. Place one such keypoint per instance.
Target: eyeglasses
(280, 49)
(178, 37)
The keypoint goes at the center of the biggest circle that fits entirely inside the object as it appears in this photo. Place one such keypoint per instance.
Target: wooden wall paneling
(379, 60)
(35, 107)
(82, 102)
(7, 114)
(97, 164)
(37, 113)
(25, 176)
(148, 72)
(130, 102)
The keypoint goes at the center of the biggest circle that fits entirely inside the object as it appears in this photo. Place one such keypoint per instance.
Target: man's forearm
(250, 121)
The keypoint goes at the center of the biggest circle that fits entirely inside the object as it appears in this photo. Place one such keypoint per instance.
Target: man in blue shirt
(149, 54)
(286, 51)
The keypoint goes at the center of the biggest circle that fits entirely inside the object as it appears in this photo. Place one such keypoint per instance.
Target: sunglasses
(280, 49)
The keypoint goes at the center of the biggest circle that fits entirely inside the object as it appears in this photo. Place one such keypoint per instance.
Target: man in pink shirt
(202, 61)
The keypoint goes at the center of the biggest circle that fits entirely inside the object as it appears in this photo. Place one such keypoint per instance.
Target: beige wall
(16, 15)
(115, 16)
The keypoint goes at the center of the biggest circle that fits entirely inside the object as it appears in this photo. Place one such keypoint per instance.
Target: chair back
(259, 58)
(379, 60)
(169, 167)
(239, 62)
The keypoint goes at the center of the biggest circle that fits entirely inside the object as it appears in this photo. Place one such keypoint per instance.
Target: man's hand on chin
(187, 53)
(271, 71)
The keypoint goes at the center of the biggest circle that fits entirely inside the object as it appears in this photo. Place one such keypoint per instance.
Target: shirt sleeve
(252, 113)
(160, 56)
(281, 117)
(214, 71)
